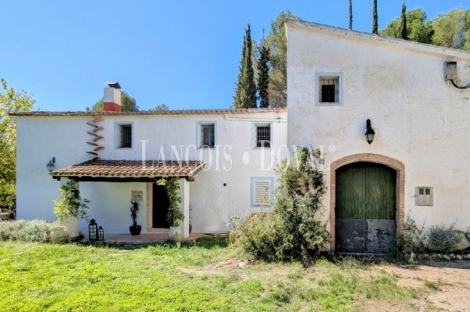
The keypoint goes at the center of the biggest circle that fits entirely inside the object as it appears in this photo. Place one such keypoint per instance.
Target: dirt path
(449, 283)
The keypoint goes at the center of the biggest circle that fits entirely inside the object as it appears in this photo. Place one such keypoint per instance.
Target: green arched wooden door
(365, 208)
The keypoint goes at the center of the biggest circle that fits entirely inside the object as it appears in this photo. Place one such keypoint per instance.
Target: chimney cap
(114, 85)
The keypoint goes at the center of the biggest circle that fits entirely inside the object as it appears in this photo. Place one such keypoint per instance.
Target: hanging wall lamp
(51, 164)
(370, 133)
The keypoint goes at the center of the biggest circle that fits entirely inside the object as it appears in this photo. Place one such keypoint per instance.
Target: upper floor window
(262, 134)
(206, 133)
(123, 135)
(329, 88)
(126, 136)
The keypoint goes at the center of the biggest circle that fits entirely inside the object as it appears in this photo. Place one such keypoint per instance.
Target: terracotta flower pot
(175, 234)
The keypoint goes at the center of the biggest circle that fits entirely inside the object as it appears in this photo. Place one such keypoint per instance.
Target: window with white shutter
(261, 191)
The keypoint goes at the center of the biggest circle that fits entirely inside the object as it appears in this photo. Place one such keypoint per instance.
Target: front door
(160, 207)
(365, 208)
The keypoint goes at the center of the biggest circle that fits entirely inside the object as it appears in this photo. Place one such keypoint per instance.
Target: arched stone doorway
(399, 184)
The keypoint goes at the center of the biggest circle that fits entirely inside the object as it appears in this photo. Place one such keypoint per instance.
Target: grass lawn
(204, 275)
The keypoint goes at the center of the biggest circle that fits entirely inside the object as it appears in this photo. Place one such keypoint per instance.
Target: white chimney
(112, 97)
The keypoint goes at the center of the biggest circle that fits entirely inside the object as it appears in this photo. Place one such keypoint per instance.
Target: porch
(144, 238)
(112, 184)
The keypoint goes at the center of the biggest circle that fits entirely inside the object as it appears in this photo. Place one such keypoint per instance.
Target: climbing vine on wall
(172, 187)
(70, 203)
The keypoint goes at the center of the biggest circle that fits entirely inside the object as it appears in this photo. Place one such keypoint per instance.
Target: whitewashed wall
(418, 118)
(40, 138)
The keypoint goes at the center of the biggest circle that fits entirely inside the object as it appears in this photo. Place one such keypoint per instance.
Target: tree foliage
(292, 232)
(350, 15)
(375, 19)
(245, 91)
(403, 28)
(11, 102)
(128, 104)
(263, 75)
(450, 29)
(276, 42)
(161, 108)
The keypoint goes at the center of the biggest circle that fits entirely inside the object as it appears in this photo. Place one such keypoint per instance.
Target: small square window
(126, 136)
(329, 88)
(263, 136)
(207, 135)
(424, 196)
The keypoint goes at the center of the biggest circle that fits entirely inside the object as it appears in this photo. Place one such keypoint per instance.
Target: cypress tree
(245, 92)
(375, 22)
(404, 30)
(263, 75)
(350, 15)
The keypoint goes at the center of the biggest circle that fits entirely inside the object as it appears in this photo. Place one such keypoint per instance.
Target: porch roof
(128, 169)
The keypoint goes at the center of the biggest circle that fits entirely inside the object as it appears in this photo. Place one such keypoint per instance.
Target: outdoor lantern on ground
(50, 165)
(100, 233)
(370, 132)
(93, 231)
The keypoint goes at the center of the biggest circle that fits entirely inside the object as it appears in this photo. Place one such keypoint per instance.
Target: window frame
(199, 138)
(118, 126)
(424, 199)
(318, 87)
(254, 134)
(252, 191)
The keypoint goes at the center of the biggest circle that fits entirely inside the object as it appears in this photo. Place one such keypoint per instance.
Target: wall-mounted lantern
(370, 132)
(93, 231)
(100, 234)
(51, 164)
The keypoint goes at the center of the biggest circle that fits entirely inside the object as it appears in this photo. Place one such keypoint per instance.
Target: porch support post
(184, 206)
(71, 224)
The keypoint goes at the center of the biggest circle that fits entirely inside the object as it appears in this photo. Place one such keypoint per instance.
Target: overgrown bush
(412, 239)
(444, 238)
(26, 230)
(292, 232)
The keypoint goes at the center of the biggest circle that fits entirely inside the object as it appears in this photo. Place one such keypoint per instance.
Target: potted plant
(135, 228)
(174, 216)
(70, 208)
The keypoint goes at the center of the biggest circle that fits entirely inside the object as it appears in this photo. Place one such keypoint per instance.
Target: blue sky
(181, 53)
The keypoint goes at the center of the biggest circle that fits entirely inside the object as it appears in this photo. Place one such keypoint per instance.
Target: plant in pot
(69, 209)
(135, 228)
(174, 216)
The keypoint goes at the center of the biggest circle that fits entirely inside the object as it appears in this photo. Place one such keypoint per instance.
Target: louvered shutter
(261, 191)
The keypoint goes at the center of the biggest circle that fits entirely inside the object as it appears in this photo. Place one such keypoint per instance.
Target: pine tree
(263, 75)
(350, 15)
(404, 30)
(245, 92)
(375, 22)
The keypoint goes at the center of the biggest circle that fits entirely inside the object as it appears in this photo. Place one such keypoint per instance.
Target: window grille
(126, 136)
(329, 90)
(261, 192)
(207, 136)
(263, 136)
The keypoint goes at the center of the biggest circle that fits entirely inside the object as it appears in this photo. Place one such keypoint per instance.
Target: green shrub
(444, 238)
(26, 230)
(292, 232)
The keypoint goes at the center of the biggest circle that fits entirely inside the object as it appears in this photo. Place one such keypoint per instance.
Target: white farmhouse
(418, 163)
(414, 162)
(116, 156)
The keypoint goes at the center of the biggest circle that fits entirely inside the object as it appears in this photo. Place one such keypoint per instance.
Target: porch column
(184, 206)
(71, 224)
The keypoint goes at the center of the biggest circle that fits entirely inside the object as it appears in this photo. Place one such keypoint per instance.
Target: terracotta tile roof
(147, 113)
(129, 169)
